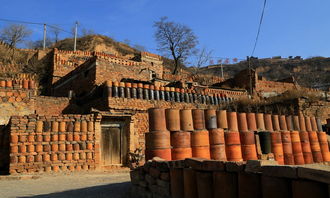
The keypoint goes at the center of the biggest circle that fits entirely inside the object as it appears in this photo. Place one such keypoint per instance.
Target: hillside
(97, 43)
(312, 72)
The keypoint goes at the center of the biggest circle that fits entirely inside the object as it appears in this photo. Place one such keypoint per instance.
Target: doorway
(113, 142)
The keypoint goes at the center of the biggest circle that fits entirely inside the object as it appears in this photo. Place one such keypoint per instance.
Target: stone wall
(198, 178)
(53, 143)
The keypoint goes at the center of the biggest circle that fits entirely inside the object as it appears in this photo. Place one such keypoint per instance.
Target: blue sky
(228, 27)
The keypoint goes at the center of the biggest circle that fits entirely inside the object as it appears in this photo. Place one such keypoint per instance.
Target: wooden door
(114, 143)
(112, 151)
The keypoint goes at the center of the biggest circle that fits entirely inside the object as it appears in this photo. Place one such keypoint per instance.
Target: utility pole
(44, 43)
(250, 75)
(75, 36)
(221, 71)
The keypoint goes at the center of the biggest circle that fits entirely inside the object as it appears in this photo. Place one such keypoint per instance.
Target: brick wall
(264, 87)
(209, 178)
(53, 143)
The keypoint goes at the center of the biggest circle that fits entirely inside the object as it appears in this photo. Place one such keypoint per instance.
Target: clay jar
(251, 121)
(260, 121)
(158, 145)
(296, 148)
(198, 119)
(296, 126)
(322, 136)
(302, 124)
(242, 122)
(276, 123)
(268, 122)
(315, 147)
(210, 119)
(233, 146)
(282, 121)
(222, 119)
(277, 148)
(289, 122)
(249, 151)
(287, 148)
(157, 121)
(200, 144)
(232, 121)
(172, 119)
(181, 143)
(306, 148)
(265, 142)
(186, 120)
(308, 124)
(314, 123)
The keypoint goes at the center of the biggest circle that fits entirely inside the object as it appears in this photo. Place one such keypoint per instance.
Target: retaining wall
(197, 178)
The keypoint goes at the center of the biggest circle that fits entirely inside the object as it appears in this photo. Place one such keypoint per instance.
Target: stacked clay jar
(179, 123)
(220, 135)
(157, 140)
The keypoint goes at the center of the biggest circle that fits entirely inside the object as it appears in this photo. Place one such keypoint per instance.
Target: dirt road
(81, 185)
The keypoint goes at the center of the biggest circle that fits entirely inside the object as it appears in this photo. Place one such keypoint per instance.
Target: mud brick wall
(116, 72)
(273, 87)
(66, 61)
(81, 80)
(53, 143)
(198, 178)
(45, 105)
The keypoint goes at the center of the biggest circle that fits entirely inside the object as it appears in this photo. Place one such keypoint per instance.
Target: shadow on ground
(117, 190)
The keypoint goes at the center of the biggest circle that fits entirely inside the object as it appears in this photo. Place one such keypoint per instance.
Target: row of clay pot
(269, 122)
(208, 144)
(54, 126)
(25, 84)
(151, 92)
(296, 147)
(189, 137)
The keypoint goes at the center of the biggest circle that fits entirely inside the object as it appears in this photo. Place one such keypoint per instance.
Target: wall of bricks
(264, 87)
(66, 61)
(198, 178)
(53, 143)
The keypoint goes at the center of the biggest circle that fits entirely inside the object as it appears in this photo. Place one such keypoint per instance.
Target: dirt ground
(81, 185)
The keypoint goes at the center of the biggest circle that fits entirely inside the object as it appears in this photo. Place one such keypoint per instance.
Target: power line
(35, 23)
(260, 23)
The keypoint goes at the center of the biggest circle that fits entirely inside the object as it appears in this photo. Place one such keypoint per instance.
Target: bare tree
(14, 34)
(56, 32)
(39, 44)
(86, 32)
(175, 40)
(203, 56)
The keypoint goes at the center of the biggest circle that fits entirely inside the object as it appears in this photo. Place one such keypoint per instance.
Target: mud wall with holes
(197, 178)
